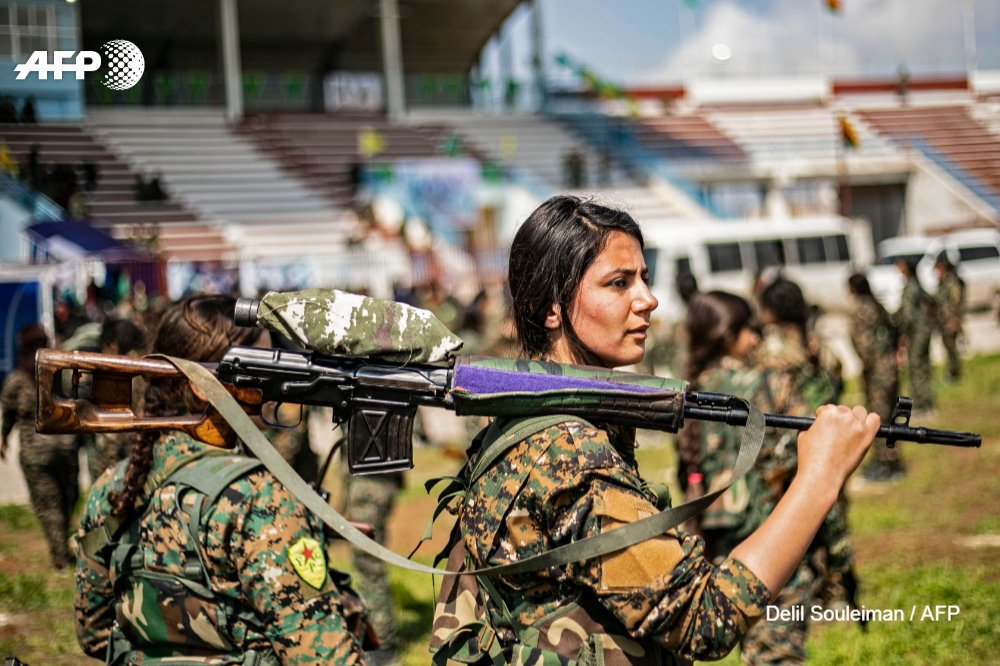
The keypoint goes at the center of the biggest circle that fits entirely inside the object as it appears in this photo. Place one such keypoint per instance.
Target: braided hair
(200, 329)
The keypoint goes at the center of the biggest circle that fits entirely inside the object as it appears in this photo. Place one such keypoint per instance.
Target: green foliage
(970, 637)
(18, 517)
(877, 519)
(33, 591)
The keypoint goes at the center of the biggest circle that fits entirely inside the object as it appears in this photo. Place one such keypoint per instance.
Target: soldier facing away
(874, 340)
(950, 301)
(195, 554)
(915, 321)
(50, 463)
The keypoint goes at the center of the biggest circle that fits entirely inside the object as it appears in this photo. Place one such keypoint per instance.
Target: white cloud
(800, 36)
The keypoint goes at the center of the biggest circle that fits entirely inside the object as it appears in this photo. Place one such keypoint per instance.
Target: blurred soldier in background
(950, 305)
(874, 340)
(370, 499)
(798, 381)
(50, 463)
(915, 320)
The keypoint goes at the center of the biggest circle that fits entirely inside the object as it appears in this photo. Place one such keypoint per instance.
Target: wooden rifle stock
(97, 396)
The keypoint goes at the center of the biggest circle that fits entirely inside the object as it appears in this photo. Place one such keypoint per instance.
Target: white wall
(933, 201)
(13, 219)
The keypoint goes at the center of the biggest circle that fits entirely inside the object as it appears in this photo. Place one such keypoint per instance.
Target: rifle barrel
(726, 411)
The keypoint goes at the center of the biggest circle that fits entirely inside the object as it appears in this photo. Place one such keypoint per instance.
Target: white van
(975, 252)
(818, 253)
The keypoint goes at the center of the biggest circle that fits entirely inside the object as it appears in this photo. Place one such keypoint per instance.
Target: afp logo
(123, 64)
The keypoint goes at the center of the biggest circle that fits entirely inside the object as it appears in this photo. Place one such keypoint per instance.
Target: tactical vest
(157, 614)
(473, 625)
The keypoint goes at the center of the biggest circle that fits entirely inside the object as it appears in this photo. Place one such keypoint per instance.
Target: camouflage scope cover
(334, 322)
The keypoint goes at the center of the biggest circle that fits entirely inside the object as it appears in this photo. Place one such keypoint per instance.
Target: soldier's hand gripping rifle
(374, 362)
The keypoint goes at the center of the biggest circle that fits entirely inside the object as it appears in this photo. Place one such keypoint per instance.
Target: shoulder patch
(309, 561)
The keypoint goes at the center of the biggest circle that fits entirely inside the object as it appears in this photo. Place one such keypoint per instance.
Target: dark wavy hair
(29, 340)
(200, 329)
(548, 257)
(786, 303)
(714, 321)
(858, 284)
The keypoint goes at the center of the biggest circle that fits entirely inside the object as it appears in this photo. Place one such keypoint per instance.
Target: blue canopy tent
(72, 240)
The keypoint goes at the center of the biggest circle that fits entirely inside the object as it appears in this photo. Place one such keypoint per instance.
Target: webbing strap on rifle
(585, 549)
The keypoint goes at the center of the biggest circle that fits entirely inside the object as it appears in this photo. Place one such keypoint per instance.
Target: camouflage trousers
(53, 487)
(918, 364)
(881, 386)
(370, 500)
(950, 342)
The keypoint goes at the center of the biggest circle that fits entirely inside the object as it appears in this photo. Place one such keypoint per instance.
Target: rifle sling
(578, 551)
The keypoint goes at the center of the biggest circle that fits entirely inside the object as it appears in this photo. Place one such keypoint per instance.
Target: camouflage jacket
(252, 545)
(742, 508)
(797, 385)
(950, 300)
(916, 310)
(872, 332)
(17, 402)
(663, 591)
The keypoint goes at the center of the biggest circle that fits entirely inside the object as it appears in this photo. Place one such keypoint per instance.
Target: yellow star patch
(309, 561)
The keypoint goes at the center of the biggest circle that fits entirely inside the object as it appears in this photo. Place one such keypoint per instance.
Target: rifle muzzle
(246, 312)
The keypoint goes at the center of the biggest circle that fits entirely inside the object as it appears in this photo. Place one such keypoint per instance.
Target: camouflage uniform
(50, 464)
(657, 601)
(370, 499)
(253, 542)
(796, 386)
(744, 507)
(874, 340)
(950, 299)
(915, 320)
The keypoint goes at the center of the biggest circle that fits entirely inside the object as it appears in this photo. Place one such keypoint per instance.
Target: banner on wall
(441, 191)
(352, 91)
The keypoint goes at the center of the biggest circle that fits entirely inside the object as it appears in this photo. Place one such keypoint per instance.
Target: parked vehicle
(975, 253)
(819, 253)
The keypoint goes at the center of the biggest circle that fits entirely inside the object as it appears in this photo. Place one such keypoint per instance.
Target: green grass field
(929, 540)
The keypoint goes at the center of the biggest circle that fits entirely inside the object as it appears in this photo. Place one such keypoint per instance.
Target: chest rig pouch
(160, 614)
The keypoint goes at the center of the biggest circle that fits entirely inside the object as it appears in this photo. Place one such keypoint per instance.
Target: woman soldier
(195, 554)
(50, 463)
(580, 295)
(723, 345)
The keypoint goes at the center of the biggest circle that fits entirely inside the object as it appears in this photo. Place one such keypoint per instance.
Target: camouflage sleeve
(14, 386)
(259, 530)
(93, 602)
(7, 410)
(863, 323)
(662, 589)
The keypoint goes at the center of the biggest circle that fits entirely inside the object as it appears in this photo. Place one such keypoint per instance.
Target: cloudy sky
(668, 41)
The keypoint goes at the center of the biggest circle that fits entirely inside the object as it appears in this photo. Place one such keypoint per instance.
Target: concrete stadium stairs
(772, 134)
(206, 165)
(320, 149)
(168, 227)
(954, 132)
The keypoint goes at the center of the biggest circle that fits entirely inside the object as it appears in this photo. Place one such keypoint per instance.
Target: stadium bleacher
(953, 131)
(213, 170)
(321, 149)
(113, 201)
